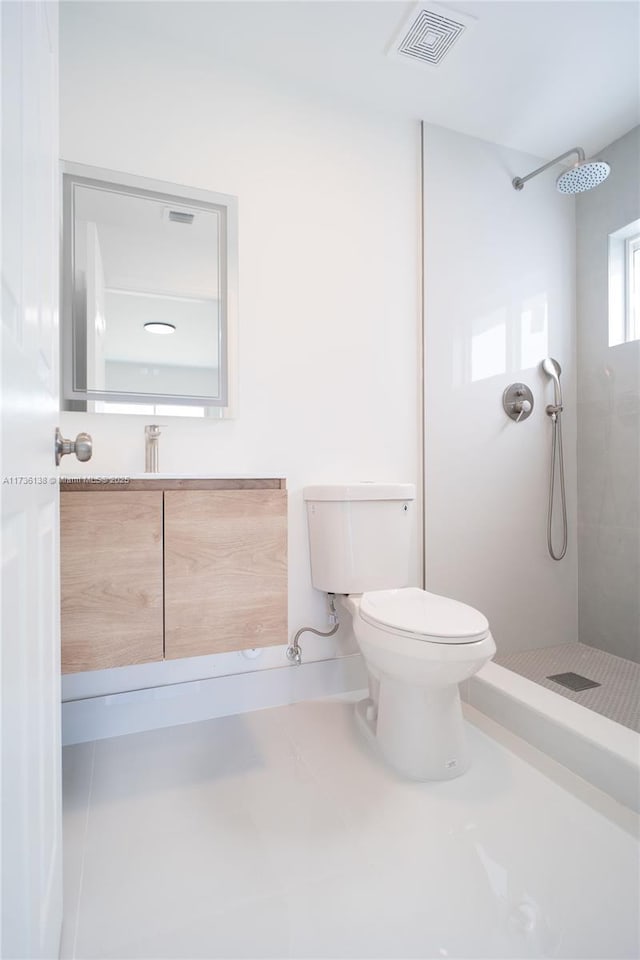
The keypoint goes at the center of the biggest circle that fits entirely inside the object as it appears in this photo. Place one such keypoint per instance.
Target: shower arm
(519, 182)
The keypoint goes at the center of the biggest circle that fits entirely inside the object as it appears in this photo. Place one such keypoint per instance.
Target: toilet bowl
(418, 647)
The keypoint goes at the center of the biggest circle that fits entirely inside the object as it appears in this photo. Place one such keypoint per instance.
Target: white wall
(608, 421)
(329, 226)
(496, 261)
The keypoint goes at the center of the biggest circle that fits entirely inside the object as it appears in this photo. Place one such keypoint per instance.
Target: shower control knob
(517, 402)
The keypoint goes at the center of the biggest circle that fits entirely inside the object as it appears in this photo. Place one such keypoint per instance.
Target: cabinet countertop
(169, 482)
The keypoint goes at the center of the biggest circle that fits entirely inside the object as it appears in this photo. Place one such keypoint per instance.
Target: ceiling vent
(429, 34)
(179, 216)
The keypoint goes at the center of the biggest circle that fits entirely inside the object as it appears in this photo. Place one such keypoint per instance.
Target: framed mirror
(149, 288)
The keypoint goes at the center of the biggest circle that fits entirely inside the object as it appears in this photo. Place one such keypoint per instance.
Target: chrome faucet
(151, 459)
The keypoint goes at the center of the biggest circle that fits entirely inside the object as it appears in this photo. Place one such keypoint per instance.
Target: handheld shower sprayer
(553, 369)
(554, 410)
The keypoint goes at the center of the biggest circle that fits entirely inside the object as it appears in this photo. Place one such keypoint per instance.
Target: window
(624, 284)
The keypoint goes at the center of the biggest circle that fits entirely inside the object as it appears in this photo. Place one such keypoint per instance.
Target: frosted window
(624, 284)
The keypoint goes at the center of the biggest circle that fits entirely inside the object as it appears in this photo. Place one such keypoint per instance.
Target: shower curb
(599, 750)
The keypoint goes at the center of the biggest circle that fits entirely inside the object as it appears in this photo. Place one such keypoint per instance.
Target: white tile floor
(280, 834)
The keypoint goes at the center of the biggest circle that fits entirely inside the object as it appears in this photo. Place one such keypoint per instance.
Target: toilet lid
(411, 610)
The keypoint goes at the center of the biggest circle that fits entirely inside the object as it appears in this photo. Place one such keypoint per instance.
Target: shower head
(553, 369)
(584, 175)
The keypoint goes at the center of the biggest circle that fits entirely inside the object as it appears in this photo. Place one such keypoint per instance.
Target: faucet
(151, 435)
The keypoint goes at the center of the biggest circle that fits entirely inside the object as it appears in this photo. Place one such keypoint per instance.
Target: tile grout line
(84, 854)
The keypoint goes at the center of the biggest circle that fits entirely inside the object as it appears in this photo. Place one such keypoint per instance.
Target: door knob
(82, 446)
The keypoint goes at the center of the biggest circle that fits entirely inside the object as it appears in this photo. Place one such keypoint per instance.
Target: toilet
(418, 646)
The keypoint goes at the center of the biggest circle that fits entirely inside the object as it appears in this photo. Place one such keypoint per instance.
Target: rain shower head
(584, 174)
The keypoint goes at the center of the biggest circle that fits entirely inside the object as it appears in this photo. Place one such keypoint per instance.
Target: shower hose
(557, 455)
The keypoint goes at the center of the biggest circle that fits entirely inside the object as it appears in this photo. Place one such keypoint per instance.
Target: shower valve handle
(522, 407)
(517, 402)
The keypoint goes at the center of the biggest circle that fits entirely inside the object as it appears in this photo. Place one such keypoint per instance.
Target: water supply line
(554, 412)
(294, 652)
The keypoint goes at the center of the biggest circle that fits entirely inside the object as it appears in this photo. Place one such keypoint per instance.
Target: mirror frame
(73, 395)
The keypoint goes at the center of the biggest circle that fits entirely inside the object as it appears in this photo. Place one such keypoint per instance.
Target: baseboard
(97, 718)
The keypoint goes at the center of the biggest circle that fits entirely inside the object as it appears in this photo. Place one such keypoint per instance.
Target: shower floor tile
(617, 697)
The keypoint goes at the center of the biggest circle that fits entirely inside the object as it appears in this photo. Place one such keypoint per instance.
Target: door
(30, 645)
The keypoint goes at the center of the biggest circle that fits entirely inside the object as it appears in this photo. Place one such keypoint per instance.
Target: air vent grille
(430, 37)
(429, 33)
(178, 216)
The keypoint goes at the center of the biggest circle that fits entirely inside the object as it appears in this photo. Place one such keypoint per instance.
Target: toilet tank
(360, 535)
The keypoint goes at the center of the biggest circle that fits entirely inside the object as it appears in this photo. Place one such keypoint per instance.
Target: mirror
(148, 279)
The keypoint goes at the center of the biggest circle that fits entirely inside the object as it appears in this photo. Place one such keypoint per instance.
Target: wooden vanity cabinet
(110, 579)
(169, 569)
(225, 570)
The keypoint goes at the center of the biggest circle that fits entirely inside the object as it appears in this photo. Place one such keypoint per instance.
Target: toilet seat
(425, 617)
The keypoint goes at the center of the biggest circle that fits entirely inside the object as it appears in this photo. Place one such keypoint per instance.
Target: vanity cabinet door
(225, 570)
(111, 579)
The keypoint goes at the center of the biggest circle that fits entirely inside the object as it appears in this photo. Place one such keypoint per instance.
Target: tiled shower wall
(608, 421)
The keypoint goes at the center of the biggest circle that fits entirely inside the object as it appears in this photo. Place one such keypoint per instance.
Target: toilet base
(419, 730)
(366, 718)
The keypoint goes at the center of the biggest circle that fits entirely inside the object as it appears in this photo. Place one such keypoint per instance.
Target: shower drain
(573, 681)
